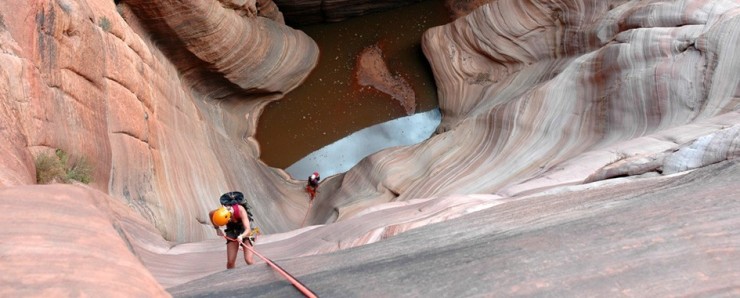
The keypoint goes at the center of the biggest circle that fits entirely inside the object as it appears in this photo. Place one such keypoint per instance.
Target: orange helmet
(221, 216)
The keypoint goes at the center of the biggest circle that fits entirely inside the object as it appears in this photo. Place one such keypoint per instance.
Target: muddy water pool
(331, 105)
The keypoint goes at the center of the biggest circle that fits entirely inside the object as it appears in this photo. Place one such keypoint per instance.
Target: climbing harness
(311, 192)
(297, 284)
(253, 234)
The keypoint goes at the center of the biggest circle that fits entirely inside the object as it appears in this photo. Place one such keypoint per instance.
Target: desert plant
(49, 168)
(81, 171)
(104, 23)
(56, 168)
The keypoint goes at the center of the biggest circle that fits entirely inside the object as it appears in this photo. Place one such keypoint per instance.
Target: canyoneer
(312, 185)
(236, 215)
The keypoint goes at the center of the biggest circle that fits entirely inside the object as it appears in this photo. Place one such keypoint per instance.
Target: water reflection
(342, 155)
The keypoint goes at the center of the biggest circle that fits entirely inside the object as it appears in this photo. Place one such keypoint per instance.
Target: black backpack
(236, 197)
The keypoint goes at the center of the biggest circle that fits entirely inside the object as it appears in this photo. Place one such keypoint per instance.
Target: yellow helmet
(221, 216)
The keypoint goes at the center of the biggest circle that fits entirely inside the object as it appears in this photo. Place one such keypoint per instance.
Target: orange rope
(312, 194)
(297, 284)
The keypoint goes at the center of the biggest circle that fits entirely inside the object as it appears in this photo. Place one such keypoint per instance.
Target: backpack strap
(236, 211)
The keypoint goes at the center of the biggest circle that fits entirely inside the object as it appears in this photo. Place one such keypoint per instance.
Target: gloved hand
(240, 238)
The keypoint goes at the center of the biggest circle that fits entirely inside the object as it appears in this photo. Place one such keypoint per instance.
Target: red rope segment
(307, 210)
(297, 284)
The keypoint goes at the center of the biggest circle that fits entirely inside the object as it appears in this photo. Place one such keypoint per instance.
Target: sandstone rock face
(705, 150)
(64, 240)
(546, 93)
(242, 49)
(16, 159)
(166, 121)
(537, 97)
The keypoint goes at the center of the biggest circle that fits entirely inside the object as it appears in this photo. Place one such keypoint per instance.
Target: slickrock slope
(176, 265)
(660, 236)
(64, 241)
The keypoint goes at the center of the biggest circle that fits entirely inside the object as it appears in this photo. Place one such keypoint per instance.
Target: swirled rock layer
(161, 97)
(546, 93)
(240, 47)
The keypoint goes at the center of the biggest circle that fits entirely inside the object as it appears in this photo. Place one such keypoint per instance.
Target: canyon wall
(159, 97)
(163, 97)
(547, 93)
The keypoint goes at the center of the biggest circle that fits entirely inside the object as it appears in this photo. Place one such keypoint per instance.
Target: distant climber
(236, 216)
(313, 184)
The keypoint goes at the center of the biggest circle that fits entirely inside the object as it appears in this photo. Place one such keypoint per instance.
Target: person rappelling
(236, 215)
(312, 185)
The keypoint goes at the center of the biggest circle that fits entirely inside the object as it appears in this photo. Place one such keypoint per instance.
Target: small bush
(81, 171)
(49, 168)
(104, 23)
(55, 168)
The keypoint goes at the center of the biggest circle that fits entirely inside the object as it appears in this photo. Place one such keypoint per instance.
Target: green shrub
(56, 168)
(81, 171)
(104, 23)
(49, 168)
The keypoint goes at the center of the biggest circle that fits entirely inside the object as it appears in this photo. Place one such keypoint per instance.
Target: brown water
(330, 104)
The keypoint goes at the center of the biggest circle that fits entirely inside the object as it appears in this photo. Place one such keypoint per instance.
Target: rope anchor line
(297, 284)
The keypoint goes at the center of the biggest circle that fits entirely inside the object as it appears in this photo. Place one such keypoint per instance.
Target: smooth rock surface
(68, 240)
(646, 237)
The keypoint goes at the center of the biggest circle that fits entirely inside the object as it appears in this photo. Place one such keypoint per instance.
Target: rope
(311, 195)
(307, 210)
(297, 284)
